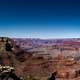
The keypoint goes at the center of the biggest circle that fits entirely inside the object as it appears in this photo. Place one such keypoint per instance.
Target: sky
(40, 18)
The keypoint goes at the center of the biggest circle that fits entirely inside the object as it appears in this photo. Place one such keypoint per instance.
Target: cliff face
(44, 57)
(10, 54)
(40, 60)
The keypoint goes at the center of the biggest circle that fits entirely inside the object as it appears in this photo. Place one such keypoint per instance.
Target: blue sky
(40, 18)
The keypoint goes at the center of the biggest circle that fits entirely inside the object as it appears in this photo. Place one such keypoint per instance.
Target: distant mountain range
(29, 42)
